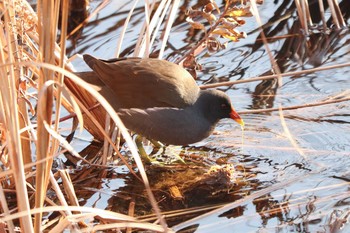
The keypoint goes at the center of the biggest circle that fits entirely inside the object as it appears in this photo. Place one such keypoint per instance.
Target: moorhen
(158, 99)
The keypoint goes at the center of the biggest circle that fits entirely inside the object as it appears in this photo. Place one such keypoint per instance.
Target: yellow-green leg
(142, 151)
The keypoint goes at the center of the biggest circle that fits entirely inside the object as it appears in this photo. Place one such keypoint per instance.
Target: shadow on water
(303, 189)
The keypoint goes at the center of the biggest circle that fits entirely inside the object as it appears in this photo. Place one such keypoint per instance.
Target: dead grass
(38, 64)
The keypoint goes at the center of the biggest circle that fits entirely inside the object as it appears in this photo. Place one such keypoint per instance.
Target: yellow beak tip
(240, 121)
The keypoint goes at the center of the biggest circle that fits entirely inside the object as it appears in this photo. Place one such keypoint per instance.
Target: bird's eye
(224, 106)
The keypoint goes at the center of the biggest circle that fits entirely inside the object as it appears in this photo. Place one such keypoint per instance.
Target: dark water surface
(307, 185)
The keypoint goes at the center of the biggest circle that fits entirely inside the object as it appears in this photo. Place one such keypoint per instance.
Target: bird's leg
(157, 144)
(142, 152)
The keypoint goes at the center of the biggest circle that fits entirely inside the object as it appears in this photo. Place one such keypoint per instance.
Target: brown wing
(145, 83)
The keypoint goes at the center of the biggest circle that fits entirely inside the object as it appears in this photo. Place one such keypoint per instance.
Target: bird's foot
(145, 157)
(156, 144)
(172, 152)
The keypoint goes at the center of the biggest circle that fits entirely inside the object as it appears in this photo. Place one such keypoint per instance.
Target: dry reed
(38, 64)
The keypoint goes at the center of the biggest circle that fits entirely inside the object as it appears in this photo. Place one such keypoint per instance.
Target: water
(306, 184)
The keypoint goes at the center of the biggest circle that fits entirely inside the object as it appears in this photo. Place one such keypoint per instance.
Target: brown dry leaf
(237, 33)
(193, 13)
(191, 65)
(243, 2)
(195, 25)
(226, 33)
(208, 8)
(221, 31)
(240, 21)
(211, 18)
(213, 45)
(239, 11)
(211, 6)
(229, 23)
(231, 34)
(234, 38)
(190, 62)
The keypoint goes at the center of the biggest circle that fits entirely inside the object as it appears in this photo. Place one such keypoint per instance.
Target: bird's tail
(89, 60)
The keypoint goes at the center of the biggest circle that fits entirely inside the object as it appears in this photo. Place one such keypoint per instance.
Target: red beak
(234, 115)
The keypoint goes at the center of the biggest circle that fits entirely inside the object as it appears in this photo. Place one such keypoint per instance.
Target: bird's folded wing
(144, 83)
